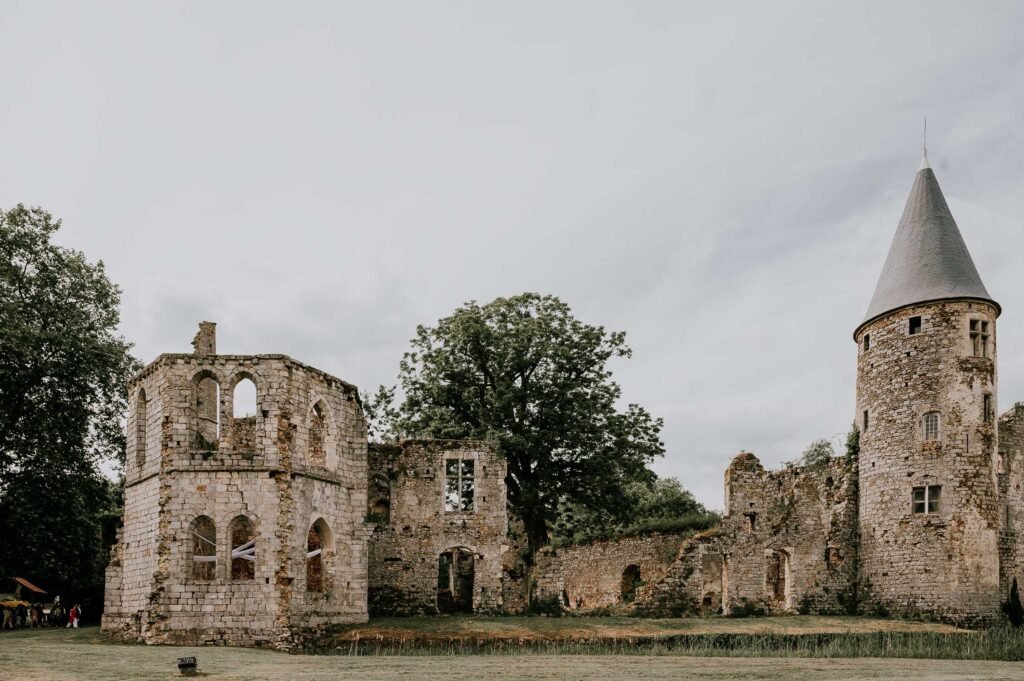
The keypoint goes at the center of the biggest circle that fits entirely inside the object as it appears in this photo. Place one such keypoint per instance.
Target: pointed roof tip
(928, 260)
(924, 160)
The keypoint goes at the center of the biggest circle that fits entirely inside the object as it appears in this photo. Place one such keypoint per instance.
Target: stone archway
(455, 568)
(631, 581)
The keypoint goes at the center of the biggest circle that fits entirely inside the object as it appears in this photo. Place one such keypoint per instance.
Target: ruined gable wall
(789, 537)
(941, 564)
(404, 551)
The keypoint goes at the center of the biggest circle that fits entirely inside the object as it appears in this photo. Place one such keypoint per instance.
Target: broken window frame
(243, 553)
(459, 485)
(316, 442)
(978, 329)
(202, 564)
(926, 500)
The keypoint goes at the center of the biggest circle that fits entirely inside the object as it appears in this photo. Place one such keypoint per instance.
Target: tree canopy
(525, 374)
(63, 370)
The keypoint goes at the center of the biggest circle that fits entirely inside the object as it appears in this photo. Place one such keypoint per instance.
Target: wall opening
(207, 401)
(243, 549)
(316, 450)
(318, 552)
(455, 581)
(202, 538)
(243, 416)
(631, 581)
(140, 428)
(777, 578)
(459, 487)
(378, 501)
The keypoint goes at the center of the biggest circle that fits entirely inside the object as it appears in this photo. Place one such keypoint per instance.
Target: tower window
(915, 326)
(979, 337)
(986, 408)
(927, 499)
(867, 341)
(865, 420)
(931, 425)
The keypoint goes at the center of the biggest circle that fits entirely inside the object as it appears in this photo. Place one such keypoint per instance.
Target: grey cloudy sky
(720, 180)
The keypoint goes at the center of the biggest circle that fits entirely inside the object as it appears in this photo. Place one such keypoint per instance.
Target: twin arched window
(241, 533)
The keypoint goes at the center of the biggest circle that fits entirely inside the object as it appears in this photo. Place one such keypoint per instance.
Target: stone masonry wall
(589, 576)
(251, 470)
(943, 564)
(1010, 477)
(416, 529)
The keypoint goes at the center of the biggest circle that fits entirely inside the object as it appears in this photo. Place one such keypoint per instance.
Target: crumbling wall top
(205, 341)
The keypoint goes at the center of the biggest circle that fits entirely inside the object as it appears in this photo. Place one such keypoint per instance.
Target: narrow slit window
(866, 420)
(986, 409)
(931, 426)
(867, 341)
(979, 337)
(927, 499)
(915, 326)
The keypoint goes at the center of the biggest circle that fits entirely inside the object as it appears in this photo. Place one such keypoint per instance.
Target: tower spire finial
(924, 146)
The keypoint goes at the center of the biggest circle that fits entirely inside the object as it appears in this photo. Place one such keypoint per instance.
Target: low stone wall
(608, 573)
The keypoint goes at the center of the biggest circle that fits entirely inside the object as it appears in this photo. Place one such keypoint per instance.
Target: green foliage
(746, 609)
(381, 415)
(524, 373)
(549, 606)
(853, 443)
(63, 370)
(818, 453)
(1012, 607)
(661, 505)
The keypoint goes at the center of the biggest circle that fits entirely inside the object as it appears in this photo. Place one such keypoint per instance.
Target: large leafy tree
(524, 373)
(63, 370)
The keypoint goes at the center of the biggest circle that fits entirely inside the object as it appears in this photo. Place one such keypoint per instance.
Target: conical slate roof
(928, 259)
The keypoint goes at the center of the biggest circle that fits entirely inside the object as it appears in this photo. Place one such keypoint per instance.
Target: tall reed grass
(998, 643)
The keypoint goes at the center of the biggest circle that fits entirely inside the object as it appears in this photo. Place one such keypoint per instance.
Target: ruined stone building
(923, 522)
(271, 524)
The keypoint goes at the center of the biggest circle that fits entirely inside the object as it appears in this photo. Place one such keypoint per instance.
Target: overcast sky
(720, 180)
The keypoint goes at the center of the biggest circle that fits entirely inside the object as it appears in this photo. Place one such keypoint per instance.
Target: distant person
(37, 616)
(8, 618)
(73, 617)
(21, 616)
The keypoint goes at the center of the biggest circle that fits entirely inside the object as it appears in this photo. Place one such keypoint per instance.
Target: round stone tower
(926, 409)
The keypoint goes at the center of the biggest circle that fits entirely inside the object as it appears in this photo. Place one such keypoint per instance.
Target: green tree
(662, 505)
(524, 373)
(63, 370)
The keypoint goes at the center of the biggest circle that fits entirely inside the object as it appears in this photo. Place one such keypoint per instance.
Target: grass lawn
(83, 655)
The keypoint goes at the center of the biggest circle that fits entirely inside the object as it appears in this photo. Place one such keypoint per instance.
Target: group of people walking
(35, 616)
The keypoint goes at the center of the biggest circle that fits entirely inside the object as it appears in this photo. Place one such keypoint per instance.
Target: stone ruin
(276, 524)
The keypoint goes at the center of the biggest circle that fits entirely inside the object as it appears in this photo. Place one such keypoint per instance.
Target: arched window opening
(455, 581)
(317, 449)
(631, 581)
(140, 428)
(243, 549)
(207, 414)
(243, 416)
(203, 540)
(318, 550)
(378, 501)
